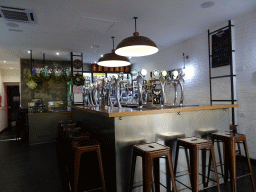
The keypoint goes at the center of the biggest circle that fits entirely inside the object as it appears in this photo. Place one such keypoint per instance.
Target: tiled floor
(39, 168)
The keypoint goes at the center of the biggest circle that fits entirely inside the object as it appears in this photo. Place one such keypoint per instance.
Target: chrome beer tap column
(176, 79)
(140, 84)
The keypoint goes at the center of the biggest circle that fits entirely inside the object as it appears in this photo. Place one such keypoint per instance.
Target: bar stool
(84, 145)
(195, 144)
(169, 139)
(229, 140)
(150, 153)
(206, 133)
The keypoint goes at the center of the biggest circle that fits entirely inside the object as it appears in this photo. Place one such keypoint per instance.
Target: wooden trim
(47, 113)
(132, 112)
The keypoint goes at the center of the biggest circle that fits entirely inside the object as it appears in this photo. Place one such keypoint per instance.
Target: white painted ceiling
(76, 25)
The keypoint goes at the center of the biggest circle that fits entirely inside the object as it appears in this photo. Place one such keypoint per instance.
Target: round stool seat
(206, 131)
(133, 141)
(169, 135)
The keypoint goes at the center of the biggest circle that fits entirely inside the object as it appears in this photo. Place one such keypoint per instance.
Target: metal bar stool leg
(220, 157)
(101, 169)
(169, 159)
(76, 170)
(176, 159)
(156, 174)
(194, 163)
(215, 168)
(233, 174)
(203, 166)
(226, 162)
(249, 164)
(168, 177)
(134, 157)
(209, 164)
(147, 173)
(209, 168)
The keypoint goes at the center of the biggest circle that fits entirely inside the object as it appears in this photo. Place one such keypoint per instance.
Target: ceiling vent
(17, 14)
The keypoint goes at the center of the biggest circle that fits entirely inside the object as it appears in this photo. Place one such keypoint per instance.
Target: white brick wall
(245, 39)
(197, 89)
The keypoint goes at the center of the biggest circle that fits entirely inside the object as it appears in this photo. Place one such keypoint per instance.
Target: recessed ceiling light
(207, 4)
(95, 46)
(4, 61)
(57, 53)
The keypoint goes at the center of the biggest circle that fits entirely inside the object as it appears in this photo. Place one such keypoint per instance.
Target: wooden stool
(195, 144)
(83, 145)
(150, 153)
(169, 139)
(229, 140)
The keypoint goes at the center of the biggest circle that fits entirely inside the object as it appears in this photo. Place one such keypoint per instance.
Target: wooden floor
(40, 168)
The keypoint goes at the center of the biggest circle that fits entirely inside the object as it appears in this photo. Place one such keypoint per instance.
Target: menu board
(221, 48)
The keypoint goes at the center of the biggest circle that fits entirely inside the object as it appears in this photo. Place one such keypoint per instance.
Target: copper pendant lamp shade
(113, 60)
(136, 46)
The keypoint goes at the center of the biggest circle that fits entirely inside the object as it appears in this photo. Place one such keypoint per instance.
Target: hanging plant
(32, 84)
(78, 79)
(41, 79)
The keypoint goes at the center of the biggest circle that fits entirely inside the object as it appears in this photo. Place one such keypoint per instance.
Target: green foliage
(78, 79)
(41, 78)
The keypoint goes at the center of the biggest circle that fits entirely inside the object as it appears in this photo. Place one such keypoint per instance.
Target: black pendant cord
(113, 42)
(31, 61)
(135, 18)
(43, 59)
(184, 60)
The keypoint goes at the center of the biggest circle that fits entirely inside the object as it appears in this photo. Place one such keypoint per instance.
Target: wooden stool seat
(195, 144)
(82, 145)
(150, 153)
(229, 140)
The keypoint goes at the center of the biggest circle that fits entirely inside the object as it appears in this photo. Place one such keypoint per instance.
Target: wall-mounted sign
(221, 48)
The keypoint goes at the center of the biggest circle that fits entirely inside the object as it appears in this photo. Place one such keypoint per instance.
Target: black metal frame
(232, 100)
(75, 71)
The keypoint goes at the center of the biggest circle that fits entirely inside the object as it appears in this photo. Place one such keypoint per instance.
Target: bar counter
(119, 129)
(43, 127)
(126, 111)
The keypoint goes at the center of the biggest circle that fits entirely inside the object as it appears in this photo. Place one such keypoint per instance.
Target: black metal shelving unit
(73, 72)
(228, 56)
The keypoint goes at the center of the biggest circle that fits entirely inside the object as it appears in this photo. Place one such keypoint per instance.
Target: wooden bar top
(125, 111)
(47, 113)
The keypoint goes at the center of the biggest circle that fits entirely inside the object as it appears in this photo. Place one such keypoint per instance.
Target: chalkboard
(221, 48)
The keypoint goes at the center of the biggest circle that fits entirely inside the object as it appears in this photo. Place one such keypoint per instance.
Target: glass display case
(88, 79)
(97, 76)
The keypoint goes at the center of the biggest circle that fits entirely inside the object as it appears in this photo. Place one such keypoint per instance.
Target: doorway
(13, 104)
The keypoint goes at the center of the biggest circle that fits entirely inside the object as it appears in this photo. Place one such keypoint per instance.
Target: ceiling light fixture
(4, 61)
(207, 4)
(57, 53)
(136, 46)
(113, 60)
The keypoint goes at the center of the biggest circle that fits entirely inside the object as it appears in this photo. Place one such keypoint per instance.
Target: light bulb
(143, 72)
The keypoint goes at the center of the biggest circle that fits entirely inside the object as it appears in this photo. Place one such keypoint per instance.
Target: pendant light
(113, 60)
(136, 46)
